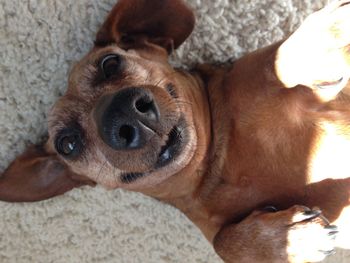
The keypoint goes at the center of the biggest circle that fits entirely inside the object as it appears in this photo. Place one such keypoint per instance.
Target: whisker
(184, 102)
(147, 77)
(114, 177)
(99, 173)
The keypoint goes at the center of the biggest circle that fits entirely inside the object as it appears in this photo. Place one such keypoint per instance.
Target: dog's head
(127, 118)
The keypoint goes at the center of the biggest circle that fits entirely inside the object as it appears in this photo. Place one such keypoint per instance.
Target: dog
(254, 152)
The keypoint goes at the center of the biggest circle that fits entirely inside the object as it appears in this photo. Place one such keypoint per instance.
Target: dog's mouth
(176, 140)
(172, 147)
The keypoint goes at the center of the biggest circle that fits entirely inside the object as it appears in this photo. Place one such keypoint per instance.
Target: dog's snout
(127, 119)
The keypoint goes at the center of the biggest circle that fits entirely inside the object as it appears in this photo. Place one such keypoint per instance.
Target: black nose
(127, 120)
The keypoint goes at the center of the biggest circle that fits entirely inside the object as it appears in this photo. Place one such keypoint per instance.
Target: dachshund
(254, 152)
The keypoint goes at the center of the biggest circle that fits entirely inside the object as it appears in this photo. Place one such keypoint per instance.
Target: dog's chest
(279, 160)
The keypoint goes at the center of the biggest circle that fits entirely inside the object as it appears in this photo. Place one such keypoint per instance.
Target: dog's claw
(333, 5)
(312, 213)
(342, 3)
(270, 208)
(306, 215)
(333, 234)
(332, 231)
(328, 252)
(331, 227)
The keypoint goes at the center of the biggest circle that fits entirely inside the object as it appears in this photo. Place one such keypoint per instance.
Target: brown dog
(221, 143)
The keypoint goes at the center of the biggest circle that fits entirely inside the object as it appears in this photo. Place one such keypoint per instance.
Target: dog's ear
(132, 23)
(37, 175)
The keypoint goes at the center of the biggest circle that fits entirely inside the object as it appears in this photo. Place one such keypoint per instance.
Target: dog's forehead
(83, 77)
(83, 70)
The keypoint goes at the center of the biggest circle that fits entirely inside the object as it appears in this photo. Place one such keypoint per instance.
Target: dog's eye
(69, 144)
(110, 65)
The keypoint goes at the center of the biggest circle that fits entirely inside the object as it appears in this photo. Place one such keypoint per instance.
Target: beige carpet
(39, 41)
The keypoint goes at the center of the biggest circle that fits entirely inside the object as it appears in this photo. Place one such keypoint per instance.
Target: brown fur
(267, 130)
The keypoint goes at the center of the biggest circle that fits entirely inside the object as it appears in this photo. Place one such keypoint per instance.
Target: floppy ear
(37, 175)
(166, 23)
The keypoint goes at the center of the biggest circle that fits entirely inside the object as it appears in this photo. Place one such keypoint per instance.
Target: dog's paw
(317, 55)
(295, 235)
(310, 237)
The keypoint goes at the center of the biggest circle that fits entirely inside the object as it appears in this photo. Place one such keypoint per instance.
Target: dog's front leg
(317, 55)
(296, 235)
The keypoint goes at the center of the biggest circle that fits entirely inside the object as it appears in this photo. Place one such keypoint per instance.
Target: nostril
(144, 105)
(128, 134)
(147, 108)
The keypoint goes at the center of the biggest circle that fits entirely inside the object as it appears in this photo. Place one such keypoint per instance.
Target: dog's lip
(128, 178)
(173, 146)
(167, 149)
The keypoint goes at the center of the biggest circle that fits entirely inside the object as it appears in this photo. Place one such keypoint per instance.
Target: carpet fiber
(39, 41)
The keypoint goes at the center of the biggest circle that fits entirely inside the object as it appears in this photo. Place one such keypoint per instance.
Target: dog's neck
(186, 189)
